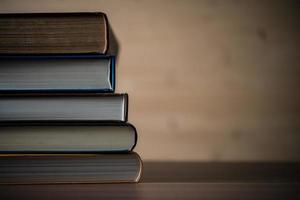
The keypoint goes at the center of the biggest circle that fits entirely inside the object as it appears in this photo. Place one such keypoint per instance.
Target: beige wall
(207, 80)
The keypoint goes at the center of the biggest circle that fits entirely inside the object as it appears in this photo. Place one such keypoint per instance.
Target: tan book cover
(53, 33)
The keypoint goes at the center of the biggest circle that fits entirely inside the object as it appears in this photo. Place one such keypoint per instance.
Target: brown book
(53, 33)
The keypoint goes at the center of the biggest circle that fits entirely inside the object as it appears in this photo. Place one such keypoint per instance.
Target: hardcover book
(63, 107)
(60, 137)
(69, 168)
(57, 74)
(53, 33)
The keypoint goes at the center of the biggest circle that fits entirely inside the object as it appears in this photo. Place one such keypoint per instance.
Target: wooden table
(170, 180)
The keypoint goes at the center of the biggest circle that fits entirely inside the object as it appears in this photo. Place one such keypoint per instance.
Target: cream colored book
(71, 137)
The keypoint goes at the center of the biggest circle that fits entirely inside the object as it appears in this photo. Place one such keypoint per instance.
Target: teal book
(64, 107)
(57, 74)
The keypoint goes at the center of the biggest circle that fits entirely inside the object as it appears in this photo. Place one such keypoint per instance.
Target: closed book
(77, 73)
(63, 107)
(69, 168)
(53, 33)
(61, 137)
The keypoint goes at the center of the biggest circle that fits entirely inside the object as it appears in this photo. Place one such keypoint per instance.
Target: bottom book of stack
(69, 168)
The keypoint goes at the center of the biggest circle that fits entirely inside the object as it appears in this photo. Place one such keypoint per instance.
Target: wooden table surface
(171, 180)
(154, 191)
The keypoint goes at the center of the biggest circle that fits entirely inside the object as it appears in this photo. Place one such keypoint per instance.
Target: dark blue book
(59, 73)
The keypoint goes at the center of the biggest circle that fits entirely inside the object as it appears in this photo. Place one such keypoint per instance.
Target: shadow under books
(113, 43)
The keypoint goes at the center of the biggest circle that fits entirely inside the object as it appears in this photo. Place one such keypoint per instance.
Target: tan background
(207, 80)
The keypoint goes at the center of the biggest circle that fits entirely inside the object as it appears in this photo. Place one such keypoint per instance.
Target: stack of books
(60, 121)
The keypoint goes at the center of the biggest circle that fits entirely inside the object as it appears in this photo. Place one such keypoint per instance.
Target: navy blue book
(59, 73)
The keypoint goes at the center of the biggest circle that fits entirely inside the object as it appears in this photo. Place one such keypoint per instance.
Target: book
(69, 168)
(63, 107)
(60, 137)
(53, 33)
(57, 74)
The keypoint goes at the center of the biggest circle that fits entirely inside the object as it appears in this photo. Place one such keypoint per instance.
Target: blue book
(57, 74)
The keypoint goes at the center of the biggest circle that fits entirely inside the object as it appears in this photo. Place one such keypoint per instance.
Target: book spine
(66, 56)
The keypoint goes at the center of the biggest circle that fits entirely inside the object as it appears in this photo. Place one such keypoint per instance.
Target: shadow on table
(221, 172)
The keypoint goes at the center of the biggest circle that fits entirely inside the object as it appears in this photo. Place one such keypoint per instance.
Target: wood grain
(153, 191)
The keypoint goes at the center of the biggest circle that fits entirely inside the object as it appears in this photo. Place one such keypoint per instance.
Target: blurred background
(214, 80)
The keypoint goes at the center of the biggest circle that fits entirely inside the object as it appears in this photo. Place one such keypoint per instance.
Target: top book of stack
(54, 33)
